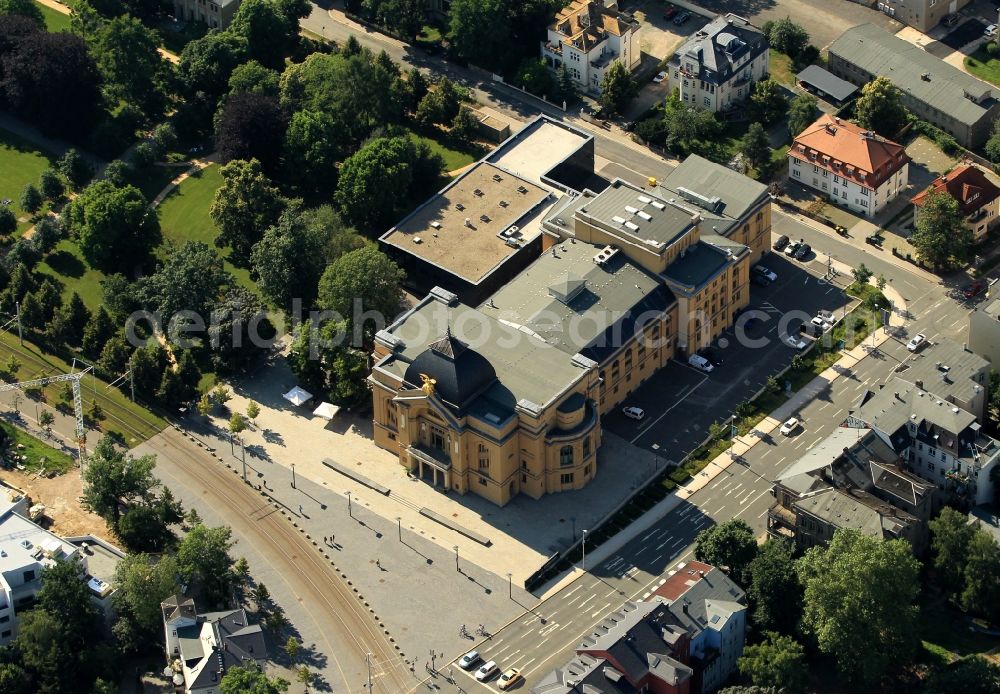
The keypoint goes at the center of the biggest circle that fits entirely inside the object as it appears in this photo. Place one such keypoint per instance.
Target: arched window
(566, 456)
(586, 448)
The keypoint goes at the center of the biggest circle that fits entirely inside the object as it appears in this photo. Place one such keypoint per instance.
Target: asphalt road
(346, 631)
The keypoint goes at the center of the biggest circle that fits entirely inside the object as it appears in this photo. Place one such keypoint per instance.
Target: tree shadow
(66, 264)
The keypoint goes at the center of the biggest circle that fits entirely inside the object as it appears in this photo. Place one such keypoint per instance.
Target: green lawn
(984, 66)
(453, 158)
(781, 68)
(54, 21)
(153, 179)
(945, 631)
(36, 454)
(184, 216)
(65, 262)
(20, 163)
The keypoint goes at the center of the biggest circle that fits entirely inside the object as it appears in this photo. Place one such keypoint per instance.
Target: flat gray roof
(826, 82)
(716, 191)
(459, 229)
(946, 369)
(637, 214)
(915, 71)
(570, 301)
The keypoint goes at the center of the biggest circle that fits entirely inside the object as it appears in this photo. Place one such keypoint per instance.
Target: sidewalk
(742, 444)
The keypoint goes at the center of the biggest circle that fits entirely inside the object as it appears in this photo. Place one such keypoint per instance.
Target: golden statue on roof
(428, 384)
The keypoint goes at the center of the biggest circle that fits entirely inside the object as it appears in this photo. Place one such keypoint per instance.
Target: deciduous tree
(24, 8)
(801, 113)
(940, 235)
(481, 32)
(754, 145)
(950, 538)
(114, 226)
(191, 279)
(778, 661)
(238, 680)
(981, 592)
(786, 36)
(141, 584)
(768, 101)
(251, 126)
(245, 205)
(973, 674)
(203, 560)
(774, 590)
(617, 88)
(31, 199)
(366, 280)
(253, 78)
(858, 591)
(879, 108)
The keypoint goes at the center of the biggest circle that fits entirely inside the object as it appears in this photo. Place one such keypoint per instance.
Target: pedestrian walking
(332, 541)
(324, 539)
(300, 510)
(378, 563)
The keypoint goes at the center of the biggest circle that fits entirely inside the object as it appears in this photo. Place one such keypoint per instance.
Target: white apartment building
(850, 166)
(588, 36)
(718, 66)
(25, 549)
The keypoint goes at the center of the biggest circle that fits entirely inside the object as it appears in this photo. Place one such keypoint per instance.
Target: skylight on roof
(644, 215)
(630, 209)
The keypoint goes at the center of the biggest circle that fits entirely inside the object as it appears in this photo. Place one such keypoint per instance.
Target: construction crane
(74, 377)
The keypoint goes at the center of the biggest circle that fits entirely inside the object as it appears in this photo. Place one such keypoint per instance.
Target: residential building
(939, 442)
(215, 14)
(850, 166)
(587, 36)
(940, 93)
(201, 647)
(952, 372)
(26, 549)
(730, 204)
(984, 331)
(597, 302)
(707, 272)
(685, 638)
(473, 403)
(485, 226)
(716, 68)
(977, 196)
(852, 479)
(922, 15)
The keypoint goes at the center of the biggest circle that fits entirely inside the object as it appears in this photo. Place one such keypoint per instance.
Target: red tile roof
(967, 184)
(849, 150)
(680, 582)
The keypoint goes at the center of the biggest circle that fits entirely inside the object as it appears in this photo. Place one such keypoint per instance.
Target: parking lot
(681, 402)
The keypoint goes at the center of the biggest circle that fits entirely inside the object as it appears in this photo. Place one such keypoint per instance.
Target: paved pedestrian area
(523, 534)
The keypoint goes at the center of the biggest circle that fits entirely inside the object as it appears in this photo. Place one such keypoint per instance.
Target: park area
(20, 163)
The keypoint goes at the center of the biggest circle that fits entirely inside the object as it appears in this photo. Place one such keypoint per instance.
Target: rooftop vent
(644, 200)
(437, 225)
(618, 220)
(497, 177)
(522, 190)
(660, 206)
(644, 215)
(417, 239)
(926, 76)
(478, 193)
(630, 209)
(504, 203)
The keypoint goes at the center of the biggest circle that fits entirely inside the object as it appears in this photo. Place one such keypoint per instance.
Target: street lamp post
(243, 453)
(584, 545)
(456, 559)
(350, 510)
(232, 447)
(510, 586)
(293, 475)
(399, 526)
(732, 437)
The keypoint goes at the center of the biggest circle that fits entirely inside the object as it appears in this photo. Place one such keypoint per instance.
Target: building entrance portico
(430, 465)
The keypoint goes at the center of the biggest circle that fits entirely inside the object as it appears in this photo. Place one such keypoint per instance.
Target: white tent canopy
(297, 396)
(326, 410)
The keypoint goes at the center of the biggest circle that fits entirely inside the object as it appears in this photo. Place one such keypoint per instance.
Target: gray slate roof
(723, 47)
(891, 408)
(858, 510)
(956, 380)
(667, 221)
(701, 262)
(878, 52)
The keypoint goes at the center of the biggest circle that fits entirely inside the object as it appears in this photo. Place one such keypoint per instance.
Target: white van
(701, 363)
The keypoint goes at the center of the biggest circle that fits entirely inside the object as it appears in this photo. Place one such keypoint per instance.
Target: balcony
(780, 522)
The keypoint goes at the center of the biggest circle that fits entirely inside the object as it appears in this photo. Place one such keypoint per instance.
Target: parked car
(950, 20)
(803, 251)
(635, 413)
(791, 248)
(974, 289)
(764, 272)
(701, 363)
(508, 679)
(789, 426)
(991, 31)
(760, 280)
(486, 671)
(826, 315)
(467, 661)
(781, 243)
(916, 343)
(820, 323)
(660, 76)
(796, 342)
(714, 358)
(682, 18)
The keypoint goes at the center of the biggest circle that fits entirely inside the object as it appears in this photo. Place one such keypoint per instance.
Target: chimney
(919, 384)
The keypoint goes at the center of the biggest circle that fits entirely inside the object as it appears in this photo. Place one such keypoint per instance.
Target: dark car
(669, 12)
(974, 289)
(803, 251)
(780, 244)
(760, 280)
(682, 18)
(714, 358)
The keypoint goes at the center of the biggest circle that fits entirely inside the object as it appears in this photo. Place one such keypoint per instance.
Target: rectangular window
(708, 102)
(567, 478)
(796, 173)
(930, 466)
(865, 192)
(29, 575)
